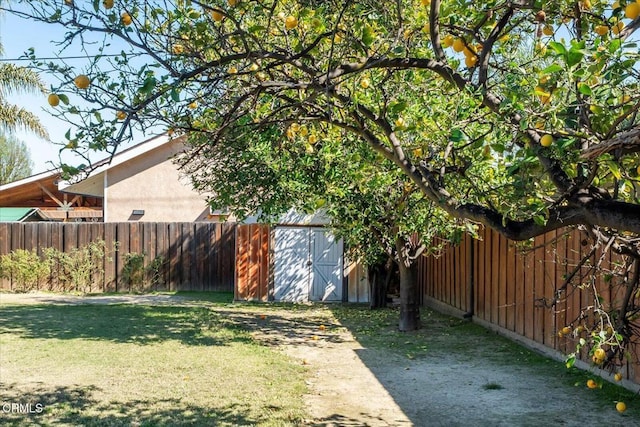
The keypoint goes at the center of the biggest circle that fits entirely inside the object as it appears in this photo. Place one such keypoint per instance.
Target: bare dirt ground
(350, 385)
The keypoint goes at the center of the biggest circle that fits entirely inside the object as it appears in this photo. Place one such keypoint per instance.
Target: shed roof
(16, 214)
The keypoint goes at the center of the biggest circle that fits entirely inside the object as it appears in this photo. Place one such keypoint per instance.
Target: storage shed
(297, 260)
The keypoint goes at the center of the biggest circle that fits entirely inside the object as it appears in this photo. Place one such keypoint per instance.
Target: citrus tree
(517, 115)
(372, 205)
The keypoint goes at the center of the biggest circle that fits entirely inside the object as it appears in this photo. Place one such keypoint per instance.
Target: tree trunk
(377, 288)
(379, 276)
(409, 307)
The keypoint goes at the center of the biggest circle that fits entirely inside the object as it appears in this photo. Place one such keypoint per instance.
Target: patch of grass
(492, 386)
(123, 365)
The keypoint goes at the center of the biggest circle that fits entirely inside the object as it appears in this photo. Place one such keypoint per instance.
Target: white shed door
(307, 265)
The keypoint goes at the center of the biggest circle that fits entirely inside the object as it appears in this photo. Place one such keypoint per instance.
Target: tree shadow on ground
(296, 327)
(338, 420)
(195, 326)
(77, 406)
(455, 373)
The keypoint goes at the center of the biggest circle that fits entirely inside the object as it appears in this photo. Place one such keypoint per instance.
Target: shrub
(24, 268)
(77, 269)
(133, 271)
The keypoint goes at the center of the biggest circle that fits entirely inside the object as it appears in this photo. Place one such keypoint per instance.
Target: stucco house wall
(152, 183)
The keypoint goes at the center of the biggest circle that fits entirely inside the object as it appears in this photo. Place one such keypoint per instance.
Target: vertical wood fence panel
(196, 256)
(5, 248)
(252, 262)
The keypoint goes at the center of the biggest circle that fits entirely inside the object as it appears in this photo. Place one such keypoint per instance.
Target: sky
(17, 36)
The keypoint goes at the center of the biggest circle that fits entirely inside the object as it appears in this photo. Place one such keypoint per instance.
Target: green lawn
(112, 365)
(195, 361)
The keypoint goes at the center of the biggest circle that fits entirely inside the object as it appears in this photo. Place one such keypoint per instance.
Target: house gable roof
(93, 184)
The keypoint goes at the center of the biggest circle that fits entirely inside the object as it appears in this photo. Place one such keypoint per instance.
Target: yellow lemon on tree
(53, 100)
(177, 49)
(121, 115)
(546, 140)
(447, 41)
(126, 19)
(470, 61)
(193, 105)
(621, 407)
(601, 30)
(547, 30)
(616, 29)
(458, 45)
(632, 11)
(108, 4)
(291, 22)
(566, 330)
(82, 81)
(216, 15)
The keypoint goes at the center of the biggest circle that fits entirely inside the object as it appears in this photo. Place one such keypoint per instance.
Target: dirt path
(354, 386)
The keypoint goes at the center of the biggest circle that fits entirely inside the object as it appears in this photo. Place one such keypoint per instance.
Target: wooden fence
(190, 256)
(253, 267)
(520, 291)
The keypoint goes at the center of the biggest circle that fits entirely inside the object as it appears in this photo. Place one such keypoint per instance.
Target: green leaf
(614, 45)
(368, 35)
(574, 57)
(64, 98)
(614, 168)
(456, 135)
(148, 85)
(558, 48)
(539, 219)
(398, 107)
(571, 360)
(257, 29)
(175, 96)
(553, 68)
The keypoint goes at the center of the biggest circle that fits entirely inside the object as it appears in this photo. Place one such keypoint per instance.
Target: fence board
(5, 248)
(252, 262)
(480, 277)
(503, 287)
(560, 295)
(520, 284)
(511, 286)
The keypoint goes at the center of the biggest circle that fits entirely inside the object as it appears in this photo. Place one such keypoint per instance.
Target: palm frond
(14, 78)
(13, 118)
